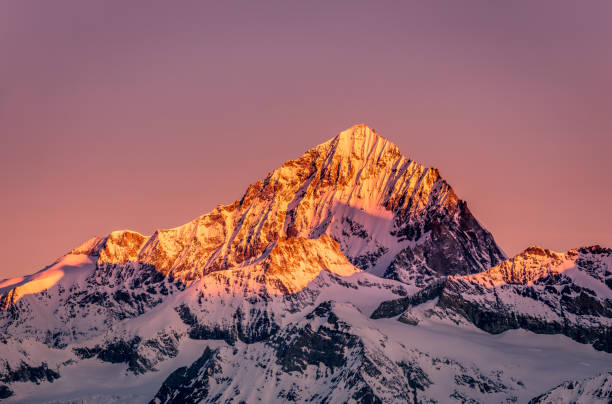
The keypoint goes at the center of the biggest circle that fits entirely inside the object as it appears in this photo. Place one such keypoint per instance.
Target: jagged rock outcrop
(5, 392)
(594, 390)
(189, 384)
(392, 308)
(541, 291)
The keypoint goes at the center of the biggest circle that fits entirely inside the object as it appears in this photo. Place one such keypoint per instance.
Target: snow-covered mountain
(541, 291)
(294, 293)
(538, 290)
(390, 216)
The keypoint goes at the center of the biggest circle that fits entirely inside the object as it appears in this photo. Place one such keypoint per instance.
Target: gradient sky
(148, 114)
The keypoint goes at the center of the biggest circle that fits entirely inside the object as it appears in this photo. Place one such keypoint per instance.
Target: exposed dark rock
(498, 321)
(450, 245)
(586, 304)
(417, 378)
(256, 327)
(306, 346)
(462, 398)
(368, 260)
(483, 384)
(166, 345)
(392, 308)
(259, 326)
(366, 395)
(5, 392)
(354, 228)
(119, 351)
(188, 384)
(86, 353)
(28, 373)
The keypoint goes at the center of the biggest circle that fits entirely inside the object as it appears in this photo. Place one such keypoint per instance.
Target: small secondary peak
(535, 250)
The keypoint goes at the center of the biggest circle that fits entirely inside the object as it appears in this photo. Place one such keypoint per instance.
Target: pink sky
(116, 116)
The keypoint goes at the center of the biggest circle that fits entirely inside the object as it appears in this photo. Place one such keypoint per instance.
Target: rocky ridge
(594, 390)
(538, 290)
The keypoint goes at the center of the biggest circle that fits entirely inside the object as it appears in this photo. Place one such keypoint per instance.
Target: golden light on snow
(74, 266)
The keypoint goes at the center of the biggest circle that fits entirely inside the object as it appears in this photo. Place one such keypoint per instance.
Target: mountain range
(350, 274)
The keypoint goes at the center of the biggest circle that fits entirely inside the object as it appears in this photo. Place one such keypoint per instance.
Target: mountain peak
(356, 188)
(387, 213)
(537, 250)
(359, 142)
(526, 267)
(360, 130)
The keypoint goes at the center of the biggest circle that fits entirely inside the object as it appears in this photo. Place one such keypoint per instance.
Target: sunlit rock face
(390, 216)
(293, 263)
